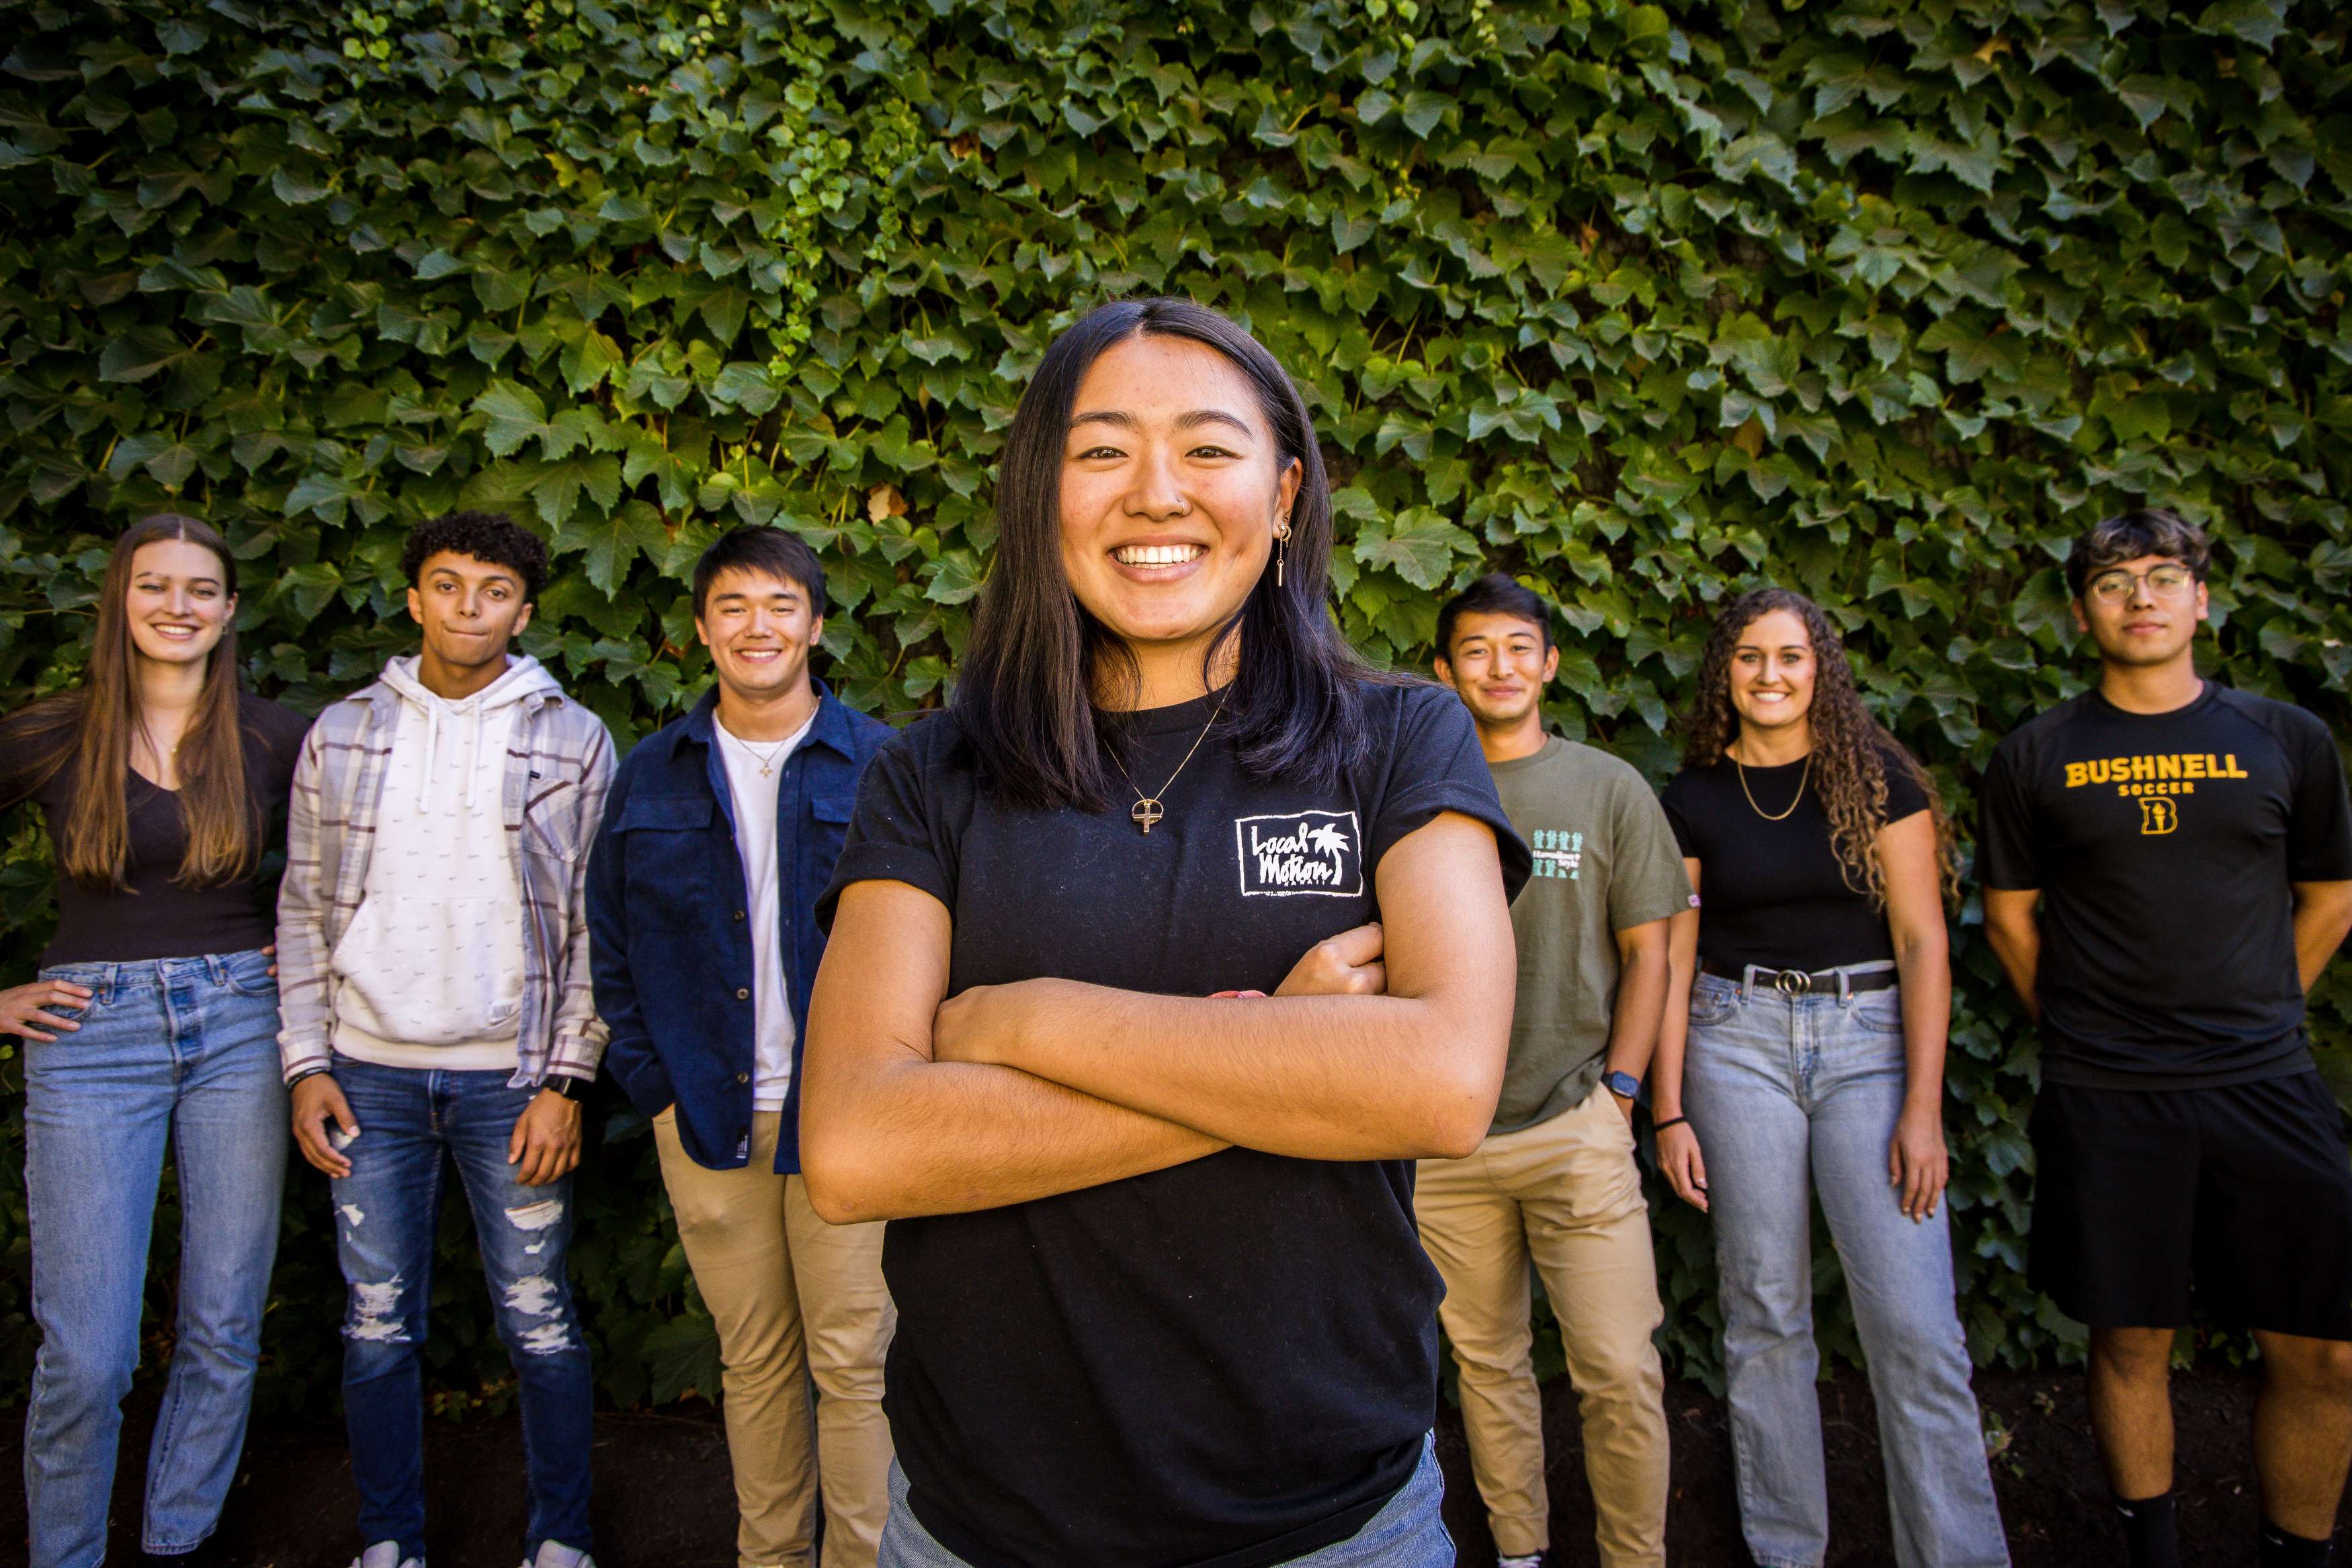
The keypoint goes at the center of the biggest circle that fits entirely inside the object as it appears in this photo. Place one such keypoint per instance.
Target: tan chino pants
(796, 1301)
(1566, 1194)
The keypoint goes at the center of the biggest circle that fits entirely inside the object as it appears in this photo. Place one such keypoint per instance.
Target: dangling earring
(1281, 546)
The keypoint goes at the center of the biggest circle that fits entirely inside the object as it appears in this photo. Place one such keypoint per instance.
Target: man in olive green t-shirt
(1555, 1180)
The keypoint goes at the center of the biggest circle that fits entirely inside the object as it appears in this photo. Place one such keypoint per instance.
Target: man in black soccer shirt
(2189, 848)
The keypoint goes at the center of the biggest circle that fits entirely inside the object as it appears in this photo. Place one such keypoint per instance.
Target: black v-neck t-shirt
(2166, 847)
(1229, 1363)
(1774, 893)
(156, 915)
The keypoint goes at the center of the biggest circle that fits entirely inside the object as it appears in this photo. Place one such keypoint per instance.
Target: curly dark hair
(1852, 750)
(491, 536)
(2132, 534)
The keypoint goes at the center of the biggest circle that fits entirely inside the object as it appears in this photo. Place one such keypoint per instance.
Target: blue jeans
(1792, 1096)
(414, 1125)
(1407, 1532)
(182, 1051)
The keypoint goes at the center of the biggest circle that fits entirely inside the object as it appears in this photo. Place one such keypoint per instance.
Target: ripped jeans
(415, 1125)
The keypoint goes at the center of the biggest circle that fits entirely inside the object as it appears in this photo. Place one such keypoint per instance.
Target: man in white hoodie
(433, 957)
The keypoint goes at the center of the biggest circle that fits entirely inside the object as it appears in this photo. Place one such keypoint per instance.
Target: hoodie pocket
(431, 971)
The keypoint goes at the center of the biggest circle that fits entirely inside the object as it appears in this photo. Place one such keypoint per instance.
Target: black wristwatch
(1624, 1086)
(573, 1089)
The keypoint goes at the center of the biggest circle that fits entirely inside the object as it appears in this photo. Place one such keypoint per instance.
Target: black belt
(1801, 982)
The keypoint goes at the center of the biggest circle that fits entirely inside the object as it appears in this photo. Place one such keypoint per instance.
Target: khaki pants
(796, 1301)
(1566, 1193)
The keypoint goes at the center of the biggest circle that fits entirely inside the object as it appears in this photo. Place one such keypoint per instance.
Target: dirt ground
(663, 1496)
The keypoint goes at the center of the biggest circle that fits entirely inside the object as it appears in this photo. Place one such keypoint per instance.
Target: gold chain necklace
(1146, 808)
(1760, 810)
(767, 762)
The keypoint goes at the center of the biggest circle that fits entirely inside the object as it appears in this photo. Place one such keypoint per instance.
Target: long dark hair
(1026, 699)
(1853, 752)
(90, 728)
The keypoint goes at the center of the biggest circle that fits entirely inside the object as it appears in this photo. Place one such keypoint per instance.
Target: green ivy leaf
(1423, 109)
(139, 353)
(557, 487)
(588, 359)
(745, 386)
(1418, 545)
(608, 544)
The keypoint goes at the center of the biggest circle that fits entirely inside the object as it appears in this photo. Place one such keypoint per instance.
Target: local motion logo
(1301, 853)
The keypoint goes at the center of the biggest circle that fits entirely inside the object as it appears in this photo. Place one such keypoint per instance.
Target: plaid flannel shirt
(558, 765)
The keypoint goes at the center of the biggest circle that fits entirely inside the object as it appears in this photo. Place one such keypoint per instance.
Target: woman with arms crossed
(1814, 1063)
(155, 1018)
(1161, 1297)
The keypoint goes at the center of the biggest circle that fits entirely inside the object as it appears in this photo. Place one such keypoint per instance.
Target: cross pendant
(765, 770)
(1147, 811)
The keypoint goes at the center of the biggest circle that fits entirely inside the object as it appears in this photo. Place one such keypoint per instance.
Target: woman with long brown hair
(1805, 1056)
(153, 1020)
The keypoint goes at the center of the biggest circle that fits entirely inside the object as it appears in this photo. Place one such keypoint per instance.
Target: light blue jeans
(181, 1051)
(1792, 1096)
(1407, 1532)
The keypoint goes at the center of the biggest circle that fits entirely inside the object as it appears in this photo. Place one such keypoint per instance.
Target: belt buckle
(1792, 982)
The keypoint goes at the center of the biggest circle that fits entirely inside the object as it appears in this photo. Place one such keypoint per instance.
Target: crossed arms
(1390, 1047)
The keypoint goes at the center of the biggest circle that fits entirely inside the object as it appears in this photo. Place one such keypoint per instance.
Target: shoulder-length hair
(1026, 702)
(1853, 752)
(89, 729)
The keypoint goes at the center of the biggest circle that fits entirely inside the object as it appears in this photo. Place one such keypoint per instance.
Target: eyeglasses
(2164, 581)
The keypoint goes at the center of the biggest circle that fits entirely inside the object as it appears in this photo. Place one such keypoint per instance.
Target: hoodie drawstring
(491, 713)
(432, 745)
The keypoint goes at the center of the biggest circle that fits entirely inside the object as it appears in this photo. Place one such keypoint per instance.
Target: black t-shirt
(1775, 894)
(2163, 846)
(157, 917)
(1231, 1362)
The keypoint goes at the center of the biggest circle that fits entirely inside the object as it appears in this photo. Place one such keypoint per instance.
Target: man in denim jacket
(722, 829)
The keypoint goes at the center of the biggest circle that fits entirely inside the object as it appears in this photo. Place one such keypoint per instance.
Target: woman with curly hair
(1806, 1054)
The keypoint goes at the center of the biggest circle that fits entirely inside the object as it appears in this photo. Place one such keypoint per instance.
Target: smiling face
(758, 629)
(1773, 670)
(179, 601)
(470, 609)
(1170, 487)
(2142, 611)
(1500, 665)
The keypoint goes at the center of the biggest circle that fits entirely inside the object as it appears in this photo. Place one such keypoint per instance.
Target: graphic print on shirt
(2155, 779)
(2161, 773)
(1559, 853)
(1300, 852)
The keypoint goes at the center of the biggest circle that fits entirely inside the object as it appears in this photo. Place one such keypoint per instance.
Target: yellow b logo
(2158, 815)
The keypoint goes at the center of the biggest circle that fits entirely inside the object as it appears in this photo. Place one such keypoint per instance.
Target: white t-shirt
(754, 795)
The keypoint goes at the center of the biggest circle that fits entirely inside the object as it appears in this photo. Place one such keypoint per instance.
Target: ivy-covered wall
(1883, 299)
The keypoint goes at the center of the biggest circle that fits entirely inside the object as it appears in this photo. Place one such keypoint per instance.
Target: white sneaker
(385, 1554)
(552, 1554)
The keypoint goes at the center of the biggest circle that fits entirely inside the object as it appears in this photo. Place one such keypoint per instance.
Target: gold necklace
(767, 762)
(1146, 808)
(1760, 810)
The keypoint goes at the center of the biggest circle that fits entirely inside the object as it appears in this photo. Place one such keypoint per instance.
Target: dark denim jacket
(666, 911)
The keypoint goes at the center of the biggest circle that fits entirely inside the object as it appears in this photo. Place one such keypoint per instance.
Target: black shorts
(2238, 1199)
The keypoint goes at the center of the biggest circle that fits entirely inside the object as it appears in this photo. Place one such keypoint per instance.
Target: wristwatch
(1624, 1086)
(573, 1089)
